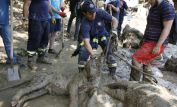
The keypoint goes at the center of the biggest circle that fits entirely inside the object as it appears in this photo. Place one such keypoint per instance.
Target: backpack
(172, 38)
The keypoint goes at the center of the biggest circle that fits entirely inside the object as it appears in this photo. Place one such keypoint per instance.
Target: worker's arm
(26, 8)
(114, 23)
(114, 8)
(50, 9)
(56, 10)
(88, 46)
(165, 32)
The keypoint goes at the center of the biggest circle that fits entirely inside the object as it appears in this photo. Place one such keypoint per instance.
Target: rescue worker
(159, 22)
(112, 5)
(38, 30)
(73, 7)
(123, 7)
(5, 29)
(93, 33)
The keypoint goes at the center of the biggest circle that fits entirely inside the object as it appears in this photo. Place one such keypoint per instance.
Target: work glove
(62, 14)
(62, 9)
(53, 20)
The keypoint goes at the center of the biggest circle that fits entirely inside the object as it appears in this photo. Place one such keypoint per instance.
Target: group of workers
(93, 27)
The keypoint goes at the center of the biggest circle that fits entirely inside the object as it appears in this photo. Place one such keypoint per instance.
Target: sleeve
(85, 29)
(105, 16)
(168, 12)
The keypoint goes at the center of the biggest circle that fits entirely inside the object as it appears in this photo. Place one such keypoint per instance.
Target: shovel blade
(13, 73)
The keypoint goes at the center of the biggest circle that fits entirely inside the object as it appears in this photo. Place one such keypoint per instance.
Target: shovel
(13, 70)
(59, 52)
(104, 65)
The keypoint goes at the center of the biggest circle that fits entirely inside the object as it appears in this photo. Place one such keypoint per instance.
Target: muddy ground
(65, 64)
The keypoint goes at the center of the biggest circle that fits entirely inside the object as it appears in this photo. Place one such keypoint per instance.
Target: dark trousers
(77, 25)
(38, 32)
(121, 19)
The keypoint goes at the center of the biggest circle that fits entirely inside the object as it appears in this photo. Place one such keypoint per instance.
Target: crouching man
(93, 33)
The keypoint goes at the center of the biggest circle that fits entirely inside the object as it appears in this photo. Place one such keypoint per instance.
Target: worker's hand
(62, 8)
(25, 23)
(53, 20)
(62, 14)
(93, 55)
(114, 33)
(109, 6)
(156, 49)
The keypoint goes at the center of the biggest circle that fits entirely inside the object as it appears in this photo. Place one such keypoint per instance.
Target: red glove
(62, 9)
(62, 14)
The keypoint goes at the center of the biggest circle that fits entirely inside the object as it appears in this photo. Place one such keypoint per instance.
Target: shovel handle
(62, 39)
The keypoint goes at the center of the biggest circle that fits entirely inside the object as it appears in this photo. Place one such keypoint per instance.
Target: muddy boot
(81, 66)
(43, 59)
(148, 70)
(135, 75)
(52, 51)
(31, 63)
(112, 73)
(81, 69)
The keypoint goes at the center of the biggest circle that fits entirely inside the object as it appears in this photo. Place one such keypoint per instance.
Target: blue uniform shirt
(158, 14)
(4, 11)
(56, 4)
(96, 28)
(39, 10)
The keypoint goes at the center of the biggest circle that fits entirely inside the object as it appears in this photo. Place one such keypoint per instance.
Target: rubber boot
(32, 63)
(43, 59)
(81, 69)
(81, 66)
(112, 72)
(135, 75)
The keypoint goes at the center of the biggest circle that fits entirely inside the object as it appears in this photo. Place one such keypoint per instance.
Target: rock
(171, 64)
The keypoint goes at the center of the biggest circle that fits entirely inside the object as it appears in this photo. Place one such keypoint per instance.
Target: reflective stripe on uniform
(82, 43)
(112, 65)
(81, 66)
(41, 50)
(31, 53)
(103, 38)
(95, 40)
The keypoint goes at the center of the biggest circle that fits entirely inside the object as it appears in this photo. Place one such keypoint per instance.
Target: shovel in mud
(13, 70)
(63, 45)
(104, 67)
